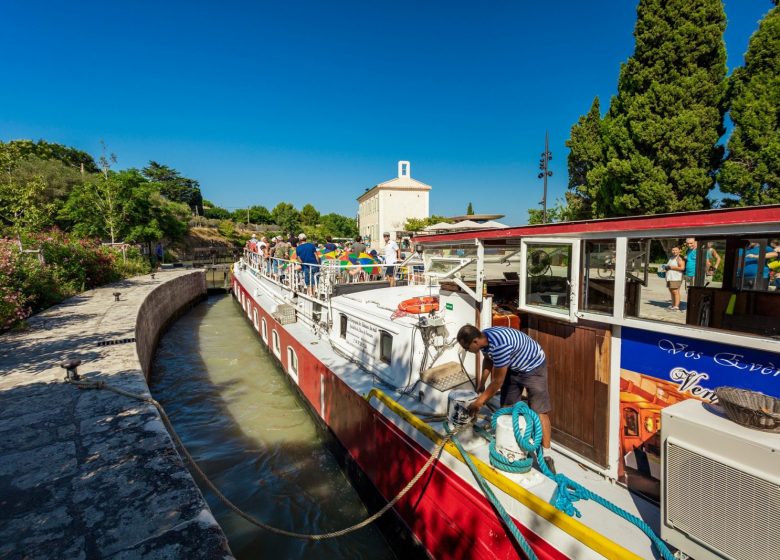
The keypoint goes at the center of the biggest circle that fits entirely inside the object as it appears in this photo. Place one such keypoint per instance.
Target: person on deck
(329, 245)
(358, 246)
(514, 361)
(310, 260)
(391, 257)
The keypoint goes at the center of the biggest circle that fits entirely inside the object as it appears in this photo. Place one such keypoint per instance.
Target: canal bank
(91, 474)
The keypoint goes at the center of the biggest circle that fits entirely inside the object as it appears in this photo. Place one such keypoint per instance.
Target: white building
(387, 206)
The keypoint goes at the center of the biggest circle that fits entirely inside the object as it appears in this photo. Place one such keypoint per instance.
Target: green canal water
(251, 433)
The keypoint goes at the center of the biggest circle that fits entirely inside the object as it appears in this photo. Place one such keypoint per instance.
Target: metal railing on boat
(320, 280)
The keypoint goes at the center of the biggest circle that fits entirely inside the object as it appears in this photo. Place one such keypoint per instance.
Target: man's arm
(483, 374)
(496, 381)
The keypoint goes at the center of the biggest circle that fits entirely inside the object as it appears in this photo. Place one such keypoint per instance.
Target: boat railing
(321, 279)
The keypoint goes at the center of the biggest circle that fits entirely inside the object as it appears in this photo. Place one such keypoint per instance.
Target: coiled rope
(238, 511)
(568, 491)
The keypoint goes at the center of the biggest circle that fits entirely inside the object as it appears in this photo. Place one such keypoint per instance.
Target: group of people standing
(276, 253)
(682, 269)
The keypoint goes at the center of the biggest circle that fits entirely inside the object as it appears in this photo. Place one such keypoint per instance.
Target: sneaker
(673, 308)
(550, 464)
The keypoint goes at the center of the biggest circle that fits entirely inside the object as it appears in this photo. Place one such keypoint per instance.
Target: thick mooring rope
(234, 508)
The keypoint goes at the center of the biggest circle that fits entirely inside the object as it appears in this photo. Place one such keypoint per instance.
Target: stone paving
(88, 474)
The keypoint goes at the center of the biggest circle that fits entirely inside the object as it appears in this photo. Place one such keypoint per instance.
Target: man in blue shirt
(690, 261)
(307, 254)
(514, 361)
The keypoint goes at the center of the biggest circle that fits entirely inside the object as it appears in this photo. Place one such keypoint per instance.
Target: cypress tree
(752, 168)
(661, 133)
(585, 153)
(470, 210)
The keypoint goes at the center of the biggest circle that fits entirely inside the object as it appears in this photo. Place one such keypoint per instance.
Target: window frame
(292, 363)
(571, 315)
(276, 345)
(264, 330)
(383, 335)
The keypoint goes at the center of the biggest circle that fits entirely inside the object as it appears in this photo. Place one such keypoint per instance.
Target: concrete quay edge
(87, 474)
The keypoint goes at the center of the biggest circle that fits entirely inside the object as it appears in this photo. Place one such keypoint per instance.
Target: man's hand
(474, 407)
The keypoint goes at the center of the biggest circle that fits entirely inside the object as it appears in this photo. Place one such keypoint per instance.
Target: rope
(235, 509)
(513, 530)
(568, 490)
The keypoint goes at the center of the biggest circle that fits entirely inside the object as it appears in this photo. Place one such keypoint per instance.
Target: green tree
(174, 186)
(259, 215)
(286, 217)
(309, 215)
(418, 224)
(585, 153)
(469, 210)
(100, 206)
(70, 157)
(751, 170)
(337, 225)
(216, 213)
(660, 135)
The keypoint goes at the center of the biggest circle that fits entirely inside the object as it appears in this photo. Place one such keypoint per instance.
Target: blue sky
(314, 101)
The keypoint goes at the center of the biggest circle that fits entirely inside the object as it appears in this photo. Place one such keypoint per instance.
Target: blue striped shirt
(510, 347)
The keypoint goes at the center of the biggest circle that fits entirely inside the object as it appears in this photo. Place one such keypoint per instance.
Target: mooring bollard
(153, 275)
(116, 295)
(70, 369)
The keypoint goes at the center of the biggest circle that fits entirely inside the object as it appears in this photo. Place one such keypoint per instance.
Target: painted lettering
(689, 382)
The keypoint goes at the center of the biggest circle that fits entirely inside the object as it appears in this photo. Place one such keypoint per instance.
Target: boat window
(598, 276)
(255, 319)
(444, 259)
(729, 283)
(249, 308)
(276, 346)
(292, 362)
(548, 273)
(264, 330)
(343, 326)
(385, 346)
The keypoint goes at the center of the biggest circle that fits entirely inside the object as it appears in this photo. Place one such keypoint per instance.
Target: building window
(276, 346)
(385, 346)
(343, 326)
(292, 362)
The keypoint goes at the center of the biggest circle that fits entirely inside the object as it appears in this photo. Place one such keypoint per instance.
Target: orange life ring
(422, 304)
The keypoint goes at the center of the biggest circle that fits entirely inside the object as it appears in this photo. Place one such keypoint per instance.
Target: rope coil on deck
(238, 511)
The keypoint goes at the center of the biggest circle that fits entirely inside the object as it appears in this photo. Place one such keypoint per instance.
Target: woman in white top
(674, 273)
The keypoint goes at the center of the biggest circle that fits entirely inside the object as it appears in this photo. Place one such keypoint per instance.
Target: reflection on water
(248, 430)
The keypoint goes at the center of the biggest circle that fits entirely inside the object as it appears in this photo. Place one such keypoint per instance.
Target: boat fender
(457, 406)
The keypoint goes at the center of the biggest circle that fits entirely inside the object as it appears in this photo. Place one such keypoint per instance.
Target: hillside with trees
(69, 222)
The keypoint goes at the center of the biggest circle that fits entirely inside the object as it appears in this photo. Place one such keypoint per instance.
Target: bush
(70, 266)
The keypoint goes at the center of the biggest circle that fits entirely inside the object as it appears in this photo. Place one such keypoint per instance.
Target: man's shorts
(534, 381)
(390, 271)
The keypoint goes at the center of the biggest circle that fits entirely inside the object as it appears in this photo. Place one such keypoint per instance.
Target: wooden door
(578, 368)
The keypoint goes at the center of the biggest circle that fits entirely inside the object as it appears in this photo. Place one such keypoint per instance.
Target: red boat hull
(449, 517)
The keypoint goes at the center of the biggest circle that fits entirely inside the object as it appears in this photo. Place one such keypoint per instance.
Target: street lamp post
(545, 172)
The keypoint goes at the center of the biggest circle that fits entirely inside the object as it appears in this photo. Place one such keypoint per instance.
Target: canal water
(251, 434)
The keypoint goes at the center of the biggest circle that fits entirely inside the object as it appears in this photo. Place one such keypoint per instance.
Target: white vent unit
(720, 488)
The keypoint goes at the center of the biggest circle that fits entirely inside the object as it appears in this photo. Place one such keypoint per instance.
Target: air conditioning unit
(720, 485)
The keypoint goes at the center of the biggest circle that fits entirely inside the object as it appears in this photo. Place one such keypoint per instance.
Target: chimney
(404, 169)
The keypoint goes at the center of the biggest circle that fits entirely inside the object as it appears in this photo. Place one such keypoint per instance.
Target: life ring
(422, 304)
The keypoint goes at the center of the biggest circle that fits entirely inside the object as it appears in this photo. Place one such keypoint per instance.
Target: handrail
(579, 531)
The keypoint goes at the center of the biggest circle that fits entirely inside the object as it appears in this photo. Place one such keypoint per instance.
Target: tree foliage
(70, 157)
(751, 170)
(174, 186)
(586, 151)
(659, 138)
(337, 225)
(309, 215)
(286, 217)
(418, 224)
(469, 210)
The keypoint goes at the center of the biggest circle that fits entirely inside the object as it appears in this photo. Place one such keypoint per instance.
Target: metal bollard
(70, 369)
(152, 275)
(116, 295)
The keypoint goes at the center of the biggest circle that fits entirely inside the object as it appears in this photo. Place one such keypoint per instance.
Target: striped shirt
(510, 347)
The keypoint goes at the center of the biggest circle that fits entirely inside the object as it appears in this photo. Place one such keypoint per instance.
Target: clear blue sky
(314, 101)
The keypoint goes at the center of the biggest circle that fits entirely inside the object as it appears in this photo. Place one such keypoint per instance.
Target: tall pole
(544, 163)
